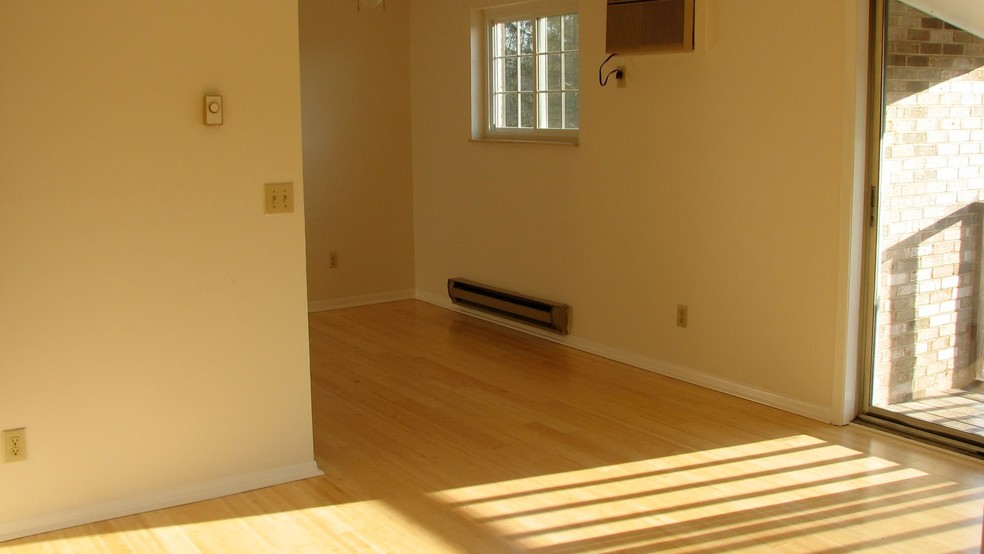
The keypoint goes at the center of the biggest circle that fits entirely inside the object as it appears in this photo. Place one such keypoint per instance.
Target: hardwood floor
(442, 433)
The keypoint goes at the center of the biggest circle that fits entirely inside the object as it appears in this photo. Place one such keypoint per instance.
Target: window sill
(556, 141)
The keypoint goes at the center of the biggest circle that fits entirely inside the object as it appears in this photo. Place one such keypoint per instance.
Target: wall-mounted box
(650, 26)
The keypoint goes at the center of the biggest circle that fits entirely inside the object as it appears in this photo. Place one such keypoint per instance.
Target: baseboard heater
(517, 307)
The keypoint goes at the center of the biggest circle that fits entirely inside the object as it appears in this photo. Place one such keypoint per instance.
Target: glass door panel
(929, 326)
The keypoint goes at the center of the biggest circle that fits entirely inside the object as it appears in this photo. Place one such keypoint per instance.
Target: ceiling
(966, 14)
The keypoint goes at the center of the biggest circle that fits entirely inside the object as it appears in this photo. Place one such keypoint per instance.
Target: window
(532, 75)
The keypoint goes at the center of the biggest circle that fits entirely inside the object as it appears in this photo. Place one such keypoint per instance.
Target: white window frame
(483, 22)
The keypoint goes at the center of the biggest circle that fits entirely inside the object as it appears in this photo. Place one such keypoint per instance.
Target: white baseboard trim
(806, 409)
(225, 486)
(362, 300)
(768, 398)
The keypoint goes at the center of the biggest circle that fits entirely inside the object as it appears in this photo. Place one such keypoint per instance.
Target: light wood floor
(442, 433)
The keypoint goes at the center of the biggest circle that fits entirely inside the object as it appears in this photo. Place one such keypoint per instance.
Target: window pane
(496, 36)
(571, 72)
(510, 81)
(556, 119)
(553, 33)
(552, 71)
(512, 110)
(526, 73)
(510, 39)
(551, 110)
(527, 110)
(496, 108)
(570, 32)
(508, 108)
(571, 111)
(526, 36)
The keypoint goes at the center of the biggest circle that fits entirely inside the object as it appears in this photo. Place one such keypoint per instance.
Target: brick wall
(930, 208)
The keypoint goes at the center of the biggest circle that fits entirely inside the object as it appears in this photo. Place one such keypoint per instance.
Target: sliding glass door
(927, 281)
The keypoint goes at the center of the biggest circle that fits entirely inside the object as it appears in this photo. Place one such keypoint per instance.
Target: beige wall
(153, 337)
(355, 76)
(722, 179)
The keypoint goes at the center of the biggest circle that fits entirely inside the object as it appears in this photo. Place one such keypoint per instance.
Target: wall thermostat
(213, 110)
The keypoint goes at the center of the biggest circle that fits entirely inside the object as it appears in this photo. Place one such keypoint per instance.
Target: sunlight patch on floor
(363, 526)
(353, 527)
(779, 493)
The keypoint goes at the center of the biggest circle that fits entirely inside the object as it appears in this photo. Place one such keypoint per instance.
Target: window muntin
(533, 75)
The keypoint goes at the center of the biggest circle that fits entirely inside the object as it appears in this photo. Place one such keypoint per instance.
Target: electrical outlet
(682, 316)
(14, 445)
(332, 260)
(620, 76)
(279, 198)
